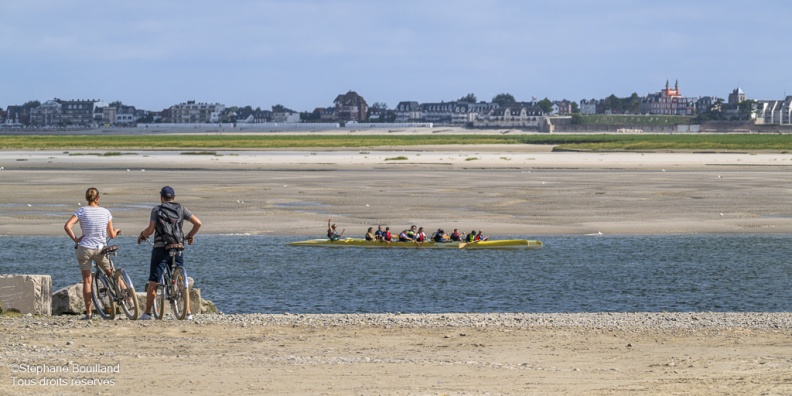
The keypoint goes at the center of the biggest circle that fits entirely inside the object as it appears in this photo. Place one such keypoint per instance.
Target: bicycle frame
(167, 288)
(109, 285)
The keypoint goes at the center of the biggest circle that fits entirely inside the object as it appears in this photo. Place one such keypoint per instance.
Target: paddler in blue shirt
(379, 234)
(440, 236)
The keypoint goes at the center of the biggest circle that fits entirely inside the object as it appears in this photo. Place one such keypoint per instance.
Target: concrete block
(195, 300)
(27, 293)
(68, 300)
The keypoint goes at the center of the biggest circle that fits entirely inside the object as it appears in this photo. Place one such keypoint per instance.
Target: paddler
(420, 236)
(440, 236)
(332, 234)
(411, 233)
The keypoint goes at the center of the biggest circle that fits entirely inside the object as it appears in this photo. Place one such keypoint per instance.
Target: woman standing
(96, 224)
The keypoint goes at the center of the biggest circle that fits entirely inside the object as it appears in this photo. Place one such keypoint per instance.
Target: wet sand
(503, 190)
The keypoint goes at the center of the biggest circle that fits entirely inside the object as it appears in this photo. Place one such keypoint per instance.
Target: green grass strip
(593, 142)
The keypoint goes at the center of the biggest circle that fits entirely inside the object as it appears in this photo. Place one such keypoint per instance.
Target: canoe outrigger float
(362, 243)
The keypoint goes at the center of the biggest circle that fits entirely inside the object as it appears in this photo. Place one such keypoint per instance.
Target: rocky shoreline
(617, 321)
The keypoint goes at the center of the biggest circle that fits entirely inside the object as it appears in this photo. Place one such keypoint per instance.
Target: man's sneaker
(145, 316)
(188, 317)
(86, 317)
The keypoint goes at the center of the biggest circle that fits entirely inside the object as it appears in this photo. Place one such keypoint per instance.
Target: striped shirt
(93, 224)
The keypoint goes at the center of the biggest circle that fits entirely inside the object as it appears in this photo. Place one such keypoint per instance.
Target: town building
(561, 107)
(67, 112)
(588, 106)
(285, 115)
(438, 113)
(707, 103)
(192, 112)
(465, 113)
(79, 112)
(48, 113)
(737, 96)
(518, 115)
(17, 115)
(262, 116)
(125, 115)
(327, 114)
(774, 111)
(668, 101)
(409, 111)
(350, 107)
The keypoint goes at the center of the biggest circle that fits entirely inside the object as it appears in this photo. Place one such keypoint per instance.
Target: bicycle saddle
(178, 246)
(110, 249)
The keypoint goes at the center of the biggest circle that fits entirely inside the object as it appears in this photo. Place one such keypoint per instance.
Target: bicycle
(107, 291)
(172, 286)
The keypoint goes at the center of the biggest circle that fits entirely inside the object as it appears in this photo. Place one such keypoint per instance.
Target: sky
(153, 54)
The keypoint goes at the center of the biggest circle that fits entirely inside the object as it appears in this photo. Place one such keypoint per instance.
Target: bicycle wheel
(180, 294)
(159, 301)
(101, 295)
(127, 296)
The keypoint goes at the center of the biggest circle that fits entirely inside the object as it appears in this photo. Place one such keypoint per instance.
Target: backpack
(169, 223)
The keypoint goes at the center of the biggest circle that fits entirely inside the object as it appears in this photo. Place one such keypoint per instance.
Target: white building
(191, 112)
(774, 111)
(516, 116)
(588, 106)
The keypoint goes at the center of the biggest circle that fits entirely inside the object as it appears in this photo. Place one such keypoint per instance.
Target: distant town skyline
(302, 54)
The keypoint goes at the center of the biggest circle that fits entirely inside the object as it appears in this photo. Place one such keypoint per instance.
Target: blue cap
(167, 192)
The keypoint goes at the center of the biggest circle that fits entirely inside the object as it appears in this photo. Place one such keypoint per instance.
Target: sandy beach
(504, 190)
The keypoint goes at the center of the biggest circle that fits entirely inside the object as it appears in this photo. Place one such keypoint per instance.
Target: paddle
(462, 245)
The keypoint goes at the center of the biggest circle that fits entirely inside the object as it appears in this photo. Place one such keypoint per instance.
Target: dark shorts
(159, 260)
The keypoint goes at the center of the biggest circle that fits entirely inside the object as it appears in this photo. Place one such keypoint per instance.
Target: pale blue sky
(156, 53)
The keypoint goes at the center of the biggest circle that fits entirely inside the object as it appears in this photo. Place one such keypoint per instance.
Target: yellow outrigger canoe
(362, 243)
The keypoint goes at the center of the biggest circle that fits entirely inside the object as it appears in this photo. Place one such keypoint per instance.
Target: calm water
(244, 274)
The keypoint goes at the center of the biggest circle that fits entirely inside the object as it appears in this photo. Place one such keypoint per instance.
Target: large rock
(68, 300)
(208, 307)
(27, 293)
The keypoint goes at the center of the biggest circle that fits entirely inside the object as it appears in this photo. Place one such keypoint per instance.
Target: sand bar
(509, 189)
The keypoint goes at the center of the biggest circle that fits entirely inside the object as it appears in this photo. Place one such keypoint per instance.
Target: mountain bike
(172, 286)
(116, 288)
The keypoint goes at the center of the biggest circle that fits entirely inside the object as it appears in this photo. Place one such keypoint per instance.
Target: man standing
(159, 255)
